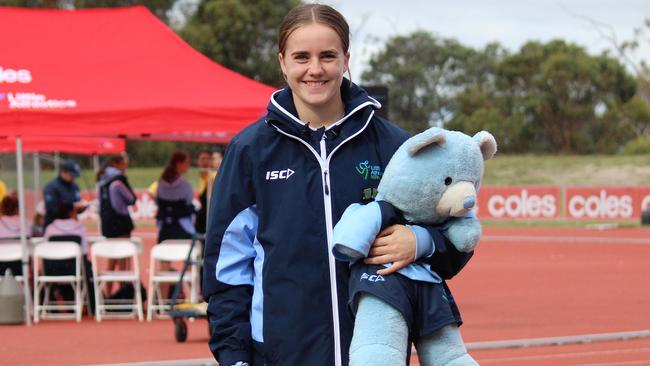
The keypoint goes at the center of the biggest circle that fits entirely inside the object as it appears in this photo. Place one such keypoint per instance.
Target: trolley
(180, 311)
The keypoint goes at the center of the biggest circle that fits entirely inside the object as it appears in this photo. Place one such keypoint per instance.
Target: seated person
(10, 230)
(9, 218)
(66, 227)
(66, 224)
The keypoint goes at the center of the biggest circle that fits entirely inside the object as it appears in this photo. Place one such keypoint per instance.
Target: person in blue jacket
(276, 295)
(62, 189)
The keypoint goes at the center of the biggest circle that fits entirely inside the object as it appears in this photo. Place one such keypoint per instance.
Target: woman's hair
(65, 210)
(171, 172)
(112, 160)
(9, 205)
(314, 13)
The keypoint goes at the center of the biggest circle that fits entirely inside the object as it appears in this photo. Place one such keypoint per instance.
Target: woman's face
(183, 166)
(314, 63)
(121, 165)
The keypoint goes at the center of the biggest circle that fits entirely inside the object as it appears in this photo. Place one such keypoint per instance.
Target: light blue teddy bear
(432, 179)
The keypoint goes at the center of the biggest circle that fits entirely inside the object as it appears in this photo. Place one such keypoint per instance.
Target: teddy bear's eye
(447, 181)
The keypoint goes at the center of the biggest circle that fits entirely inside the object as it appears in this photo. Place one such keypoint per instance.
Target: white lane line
(565, 355)
(556, 341)
(622, 363)
(527, 239)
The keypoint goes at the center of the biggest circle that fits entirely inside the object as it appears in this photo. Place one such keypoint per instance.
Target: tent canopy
(115, 72)
(72, 145)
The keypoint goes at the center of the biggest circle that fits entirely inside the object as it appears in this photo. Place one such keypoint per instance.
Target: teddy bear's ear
(433, 135)
(487, 143)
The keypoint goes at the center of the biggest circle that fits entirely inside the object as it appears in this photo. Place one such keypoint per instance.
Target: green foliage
(638, 146)
(158, 7)
(551, 98)
(156, 153)
(636, 113)
(423, 73)
(240, 35)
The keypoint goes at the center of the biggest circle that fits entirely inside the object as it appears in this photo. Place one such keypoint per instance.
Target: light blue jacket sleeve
(356, 230)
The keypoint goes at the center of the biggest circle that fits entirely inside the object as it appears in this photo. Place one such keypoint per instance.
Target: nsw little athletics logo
(369, 171)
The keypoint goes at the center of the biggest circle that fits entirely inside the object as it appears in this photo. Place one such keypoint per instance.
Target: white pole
(96, 169)
(37, 180)
(23, 228)
(57, 162)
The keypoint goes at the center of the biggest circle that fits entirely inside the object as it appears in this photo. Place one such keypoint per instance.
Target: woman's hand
(395, 244)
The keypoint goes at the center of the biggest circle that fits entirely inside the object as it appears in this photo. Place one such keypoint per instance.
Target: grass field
(502, 170)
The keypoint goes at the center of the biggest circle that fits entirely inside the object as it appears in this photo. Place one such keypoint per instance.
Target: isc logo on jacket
(279, 174)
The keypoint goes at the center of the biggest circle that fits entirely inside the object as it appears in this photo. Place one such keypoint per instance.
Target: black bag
(127, 292)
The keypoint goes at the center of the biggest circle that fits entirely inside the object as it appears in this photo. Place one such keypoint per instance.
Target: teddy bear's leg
(380, 334)
(444, 348)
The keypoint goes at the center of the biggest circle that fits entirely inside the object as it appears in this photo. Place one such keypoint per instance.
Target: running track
(524, 286)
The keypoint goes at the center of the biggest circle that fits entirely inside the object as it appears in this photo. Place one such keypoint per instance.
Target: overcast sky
(478, 22)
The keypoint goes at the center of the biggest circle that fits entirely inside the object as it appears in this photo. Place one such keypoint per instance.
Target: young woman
(174, 198)
(10, 230)
(115, 197)
(9, 219)
(276, 295)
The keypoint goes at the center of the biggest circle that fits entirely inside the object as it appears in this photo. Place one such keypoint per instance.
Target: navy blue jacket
(113, 223)
(56, 192)
(269, 273)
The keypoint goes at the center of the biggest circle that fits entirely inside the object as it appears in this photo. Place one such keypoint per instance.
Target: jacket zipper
(324, 160)
(332, 262)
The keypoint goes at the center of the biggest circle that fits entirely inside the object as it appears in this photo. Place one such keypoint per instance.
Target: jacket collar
(282, 111)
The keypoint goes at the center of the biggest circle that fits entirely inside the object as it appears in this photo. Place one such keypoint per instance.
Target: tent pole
(96, 170)
(57, 161)
(37, 180)
(23, 228)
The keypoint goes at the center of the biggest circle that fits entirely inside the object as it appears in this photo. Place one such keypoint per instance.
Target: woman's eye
(448, 181)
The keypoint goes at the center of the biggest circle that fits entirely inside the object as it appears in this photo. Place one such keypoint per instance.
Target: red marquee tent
(72, 145)
(112, 72)
(115, 72)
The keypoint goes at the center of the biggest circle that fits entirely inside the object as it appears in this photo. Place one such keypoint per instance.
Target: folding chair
(116, 249)
(86, 269)
(57, 251)
(11, 256)
(170, 251)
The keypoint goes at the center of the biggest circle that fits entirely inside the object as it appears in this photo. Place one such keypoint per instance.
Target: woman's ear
(282, 66)
(347, 62)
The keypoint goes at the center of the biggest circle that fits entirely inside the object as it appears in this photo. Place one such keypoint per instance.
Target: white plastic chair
(11, 252)
(42, 281)
(116, 249)
(170, 251)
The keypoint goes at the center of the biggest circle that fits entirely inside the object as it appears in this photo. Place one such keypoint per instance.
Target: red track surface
(522, 283)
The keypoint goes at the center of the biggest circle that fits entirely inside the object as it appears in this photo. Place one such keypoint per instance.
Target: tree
(240, 35)
(555, 97)
(423, 73)
(157, 7)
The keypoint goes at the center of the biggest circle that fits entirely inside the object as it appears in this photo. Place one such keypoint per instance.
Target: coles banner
(496, 203)
(605, 203)
(519, 202)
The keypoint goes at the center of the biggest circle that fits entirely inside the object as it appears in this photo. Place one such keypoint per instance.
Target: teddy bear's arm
(446, 260)
(463, 232)
(359, 226)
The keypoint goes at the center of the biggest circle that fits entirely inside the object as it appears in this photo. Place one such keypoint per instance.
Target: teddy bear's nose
(469, 202)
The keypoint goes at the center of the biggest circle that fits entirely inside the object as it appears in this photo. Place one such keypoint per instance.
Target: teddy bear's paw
(464, 233)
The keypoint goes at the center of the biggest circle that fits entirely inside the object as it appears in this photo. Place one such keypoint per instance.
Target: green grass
(138, 177)
(568, 170)
(501, 170)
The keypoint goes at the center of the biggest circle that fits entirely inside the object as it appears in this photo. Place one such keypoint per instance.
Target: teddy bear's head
(435, 174)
